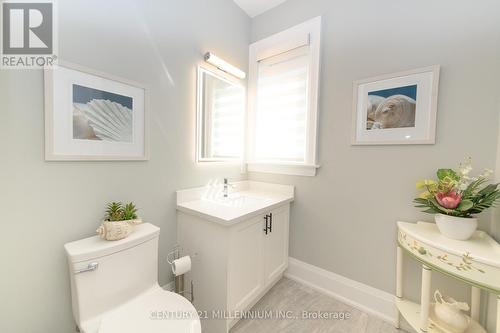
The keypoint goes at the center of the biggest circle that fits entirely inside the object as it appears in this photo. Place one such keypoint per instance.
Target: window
(283, 93)
(282, 99)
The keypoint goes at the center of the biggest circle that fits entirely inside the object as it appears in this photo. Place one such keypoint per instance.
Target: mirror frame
(205, 70)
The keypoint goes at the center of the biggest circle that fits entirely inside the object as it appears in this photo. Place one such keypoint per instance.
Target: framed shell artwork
(91, 115)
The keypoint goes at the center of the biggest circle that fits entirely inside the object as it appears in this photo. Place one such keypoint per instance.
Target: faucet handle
(226, 183)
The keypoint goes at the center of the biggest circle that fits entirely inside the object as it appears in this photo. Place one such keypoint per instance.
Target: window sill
(294, 169)
(219, 160)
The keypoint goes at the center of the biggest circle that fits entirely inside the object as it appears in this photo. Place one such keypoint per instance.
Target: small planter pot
(116, 230)
(459, 228)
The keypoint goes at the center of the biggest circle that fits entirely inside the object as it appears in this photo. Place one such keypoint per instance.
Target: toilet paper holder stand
(179, 279)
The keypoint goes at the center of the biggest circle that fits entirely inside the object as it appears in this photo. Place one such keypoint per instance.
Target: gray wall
(45, 205)
(344, 219)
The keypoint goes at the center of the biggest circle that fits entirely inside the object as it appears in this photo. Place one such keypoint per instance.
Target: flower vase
(459, 228)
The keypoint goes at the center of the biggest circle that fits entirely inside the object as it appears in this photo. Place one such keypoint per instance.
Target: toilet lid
(158, 311)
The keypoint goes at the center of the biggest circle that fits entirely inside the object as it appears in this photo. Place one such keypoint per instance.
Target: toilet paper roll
(181, 266)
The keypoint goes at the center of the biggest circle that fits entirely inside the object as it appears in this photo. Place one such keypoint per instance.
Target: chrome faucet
(226, 188)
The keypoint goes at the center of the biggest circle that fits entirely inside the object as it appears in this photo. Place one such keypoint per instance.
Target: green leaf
(473, 187)
(424, 183)
(114, 211)
(442, 173)
(465, 205)
(129, 212)
(488, 189)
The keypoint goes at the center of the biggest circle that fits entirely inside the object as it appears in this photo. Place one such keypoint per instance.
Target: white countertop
(246, 199)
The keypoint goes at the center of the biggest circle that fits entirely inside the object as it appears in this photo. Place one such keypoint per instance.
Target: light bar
(224, 66)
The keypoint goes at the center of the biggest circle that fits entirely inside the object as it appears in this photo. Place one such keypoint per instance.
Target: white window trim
(294, 169)
(297, 36)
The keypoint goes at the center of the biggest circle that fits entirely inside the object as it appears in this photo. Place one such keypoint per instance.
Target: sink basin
(246, 200)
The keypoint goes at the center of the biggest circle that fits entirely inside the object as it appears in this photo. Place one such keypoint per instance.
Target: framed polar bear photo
(398, 108)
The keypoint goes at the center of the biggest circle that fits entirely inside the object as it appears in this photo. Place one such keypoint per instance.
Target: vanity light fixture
(224, 66)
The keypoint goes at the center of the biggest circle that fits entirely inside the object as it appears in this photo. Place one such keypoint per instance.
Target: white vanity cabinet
(245, 263)
(276, 244)
(238, 251)
(257, 258)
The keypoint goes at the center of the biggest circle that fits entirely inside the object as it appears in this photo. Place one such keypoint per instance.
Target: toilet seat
(157, 311)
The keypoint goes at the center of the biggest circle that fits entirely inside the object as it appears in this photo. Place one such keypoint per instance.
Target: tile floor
(289, 295)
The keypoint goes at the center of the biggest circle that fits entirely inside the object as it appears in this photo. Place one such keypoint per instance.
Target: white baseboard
(358, 295)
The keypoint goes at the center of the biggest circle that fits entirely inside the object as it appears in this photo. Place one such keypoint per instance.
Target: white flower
(486, 173)
(465, 168)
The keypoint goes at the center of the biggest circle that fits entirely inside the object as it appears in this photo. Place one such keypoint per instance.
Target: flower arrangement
(456, 193)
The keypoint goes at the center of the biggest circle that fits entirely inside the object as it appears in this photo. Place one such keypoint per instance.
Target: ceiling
(257, 7)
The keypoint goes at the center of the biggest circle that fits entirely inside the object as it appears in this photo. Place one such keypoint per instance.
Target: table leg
(475, 305)
(399, 281)
(425, 298)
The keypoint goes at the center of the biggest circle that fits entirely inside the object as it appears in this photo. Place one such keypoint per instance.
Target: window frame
(307, 32)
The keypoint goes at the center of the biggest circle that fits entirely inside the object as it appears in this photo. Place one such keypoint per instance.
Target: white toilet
(114, 287)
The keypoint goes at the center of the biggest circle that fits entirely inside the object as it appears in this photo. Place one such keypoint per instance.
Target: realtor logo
(27, 34)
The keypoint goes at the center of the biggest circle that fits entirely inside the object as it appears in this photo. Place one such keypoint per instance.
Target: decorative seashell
(81, 127)
(115, 230)
(110, 121)
(135, 221)
(395, 112)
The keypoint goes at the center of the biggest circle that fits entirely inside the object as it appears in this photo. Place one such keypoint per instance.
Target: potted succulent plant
(456, 198)
(119, 221)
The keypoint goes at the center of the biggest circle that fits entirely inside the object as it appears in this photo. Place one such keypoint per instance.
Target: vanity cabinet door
(276, 244)
(245, 263)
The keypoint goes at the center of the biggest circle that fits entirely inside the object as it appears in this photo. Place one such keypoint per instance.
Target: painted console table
(475, 262)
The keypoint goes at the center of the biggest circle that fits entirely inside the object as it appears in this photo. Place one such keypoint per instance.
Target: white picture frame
(94, 116)
(396, 109)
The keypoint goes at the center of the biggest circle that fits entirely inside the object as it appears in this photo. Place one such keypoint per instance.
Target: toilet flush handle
(91, 267)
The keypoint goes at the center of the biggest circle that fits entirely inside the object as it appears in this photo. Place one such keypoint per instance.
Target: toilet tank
(125, 269)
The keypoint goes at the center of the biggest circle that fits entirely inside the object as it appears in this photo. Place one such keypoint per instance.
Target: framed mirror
(220, 117)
